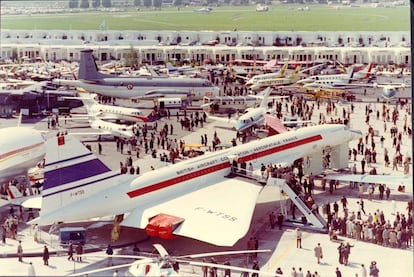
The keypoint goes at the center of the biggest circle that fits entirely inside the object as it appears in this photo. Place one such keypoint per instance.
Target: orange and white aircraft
(193, 198)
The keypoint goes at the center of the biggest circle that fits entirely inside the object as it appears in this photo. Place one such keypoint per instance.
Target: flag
(61, 140)
(102, 25)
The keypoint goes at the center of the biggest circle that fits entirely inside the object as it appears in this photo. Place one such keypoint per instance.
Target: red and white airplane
(21, 148)
(193, 198)
(108, 112)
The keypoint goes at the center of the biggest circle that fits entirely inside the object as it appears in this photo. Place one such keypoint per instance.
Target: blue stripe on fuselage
(69, 159)
(81, 185)
(72, 173)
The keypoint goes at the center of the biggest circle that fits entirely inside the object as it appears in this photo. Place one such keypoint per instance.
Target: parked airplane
(232, 104)
(136, 87)
(32, 88)
(21, 148)
(277, 81)
(182, 70)
(109, 112)
(268, 76)
(204, 10)
(192, 198)
(251, 117)
(346, 80)
(106, 128)
(389, 91)
(261, 8)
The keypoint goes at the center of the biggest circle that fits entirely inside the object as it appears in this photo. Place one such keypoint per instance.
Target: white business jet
(108, 112)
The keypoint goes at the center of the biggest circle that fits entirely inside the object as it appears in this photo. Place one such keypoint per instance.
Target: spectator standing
(20, 251)
(318, 252)
(298, 238)
(109, 252)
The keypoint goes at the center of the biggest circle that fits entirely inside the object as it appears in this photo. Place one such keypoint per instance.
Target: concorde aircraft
(137, 87)
(21, 148)
(192, 198)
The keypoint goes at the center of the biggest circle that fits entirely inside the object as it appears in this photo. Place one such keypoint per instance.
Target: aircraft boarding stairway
(249, 175)
(315, 220)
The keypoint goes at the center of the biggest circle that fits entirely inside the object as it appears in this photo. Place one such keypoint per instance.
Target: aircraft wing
(33, 202)
(231, 121)
(96, 133)
(390, 180)
(219, 214)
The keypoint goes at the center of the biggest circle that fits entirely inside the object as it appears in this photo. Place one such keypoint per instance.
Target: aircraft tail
(283, 69)
(367, 71)
(88, 70)
(351, 75)
(13, 193)
(265, 94)
(295, 75)
(72, 173)
(171, 68)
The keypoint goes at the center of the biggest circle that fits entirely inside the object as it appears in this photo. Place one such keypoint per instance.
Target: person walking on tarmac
(45, 255)
(70, 251)
(318, 252)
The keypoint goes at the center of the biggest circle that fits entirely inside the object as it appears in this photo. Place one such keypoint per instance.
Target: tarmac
(282, 243)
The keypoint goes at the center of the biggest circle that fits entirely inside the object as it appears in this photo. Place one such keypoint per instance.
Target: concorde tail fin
(72, 172)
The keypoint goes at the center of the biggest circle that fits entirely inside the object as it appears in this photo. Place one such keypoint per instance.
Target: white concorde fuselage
(21, 148)
(172, 181)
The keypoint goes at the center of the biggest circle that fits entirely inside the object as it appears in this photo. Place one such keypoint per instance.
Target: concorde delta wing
(219, 214)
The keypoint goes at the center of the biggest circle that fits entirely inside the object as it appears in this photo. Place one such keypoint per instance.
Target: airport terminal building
(153, 47)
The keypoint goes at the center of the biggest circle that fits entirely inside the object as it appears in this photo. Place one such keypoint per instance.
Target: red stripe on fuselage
(218, 167)
(279, 148)
(26, 148)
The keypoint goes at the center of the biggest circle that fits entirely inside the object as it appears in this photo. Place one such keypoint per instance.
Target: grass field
(279, 18)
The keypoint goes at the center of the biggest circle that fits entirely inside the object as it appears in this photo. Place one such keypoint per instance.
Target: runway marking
(279, 258)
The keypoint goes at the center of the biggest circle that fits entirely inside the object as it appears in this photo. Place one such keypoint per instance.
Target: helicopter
(164, 264)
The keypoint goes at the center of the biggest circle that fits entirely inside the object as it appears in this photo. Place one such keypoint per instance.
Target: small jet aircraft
(107, 128)
(277, 81)
(192, 198)
(136, 87)
(252, 116)
(204, 10)
(261, 8)
(108, 112)
(346, 80)
(268, 76)
(21, 148)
